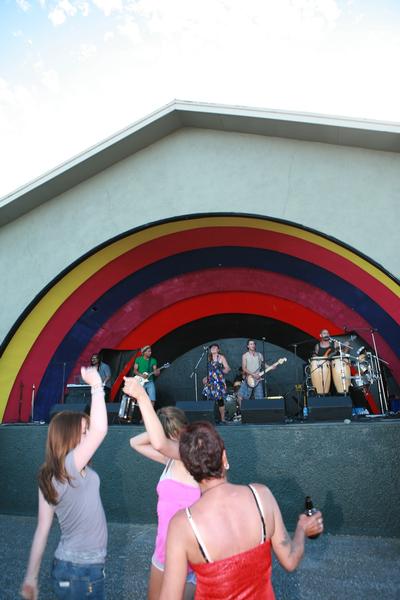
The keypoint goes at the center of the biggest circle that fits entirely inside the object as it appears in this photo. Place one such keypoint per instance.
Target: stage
(350, 470)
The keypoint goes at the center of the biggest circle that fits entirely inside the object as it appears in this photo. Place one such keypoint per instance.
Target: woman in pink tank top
(176, 489)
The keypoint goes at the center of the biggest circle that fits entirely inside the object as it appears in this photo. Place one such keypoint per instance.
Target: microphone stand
(194, 373)
(32, 402)
(62, 399)
(381, 387)
(296, 375)
(263, 381)
(297, 390)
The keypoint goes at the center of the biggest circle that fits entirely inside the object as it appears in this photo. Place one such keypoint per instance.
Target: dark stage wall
(350, 470)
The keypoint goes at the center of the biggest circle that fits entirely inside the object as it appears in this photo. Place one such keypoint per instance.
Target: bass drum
(341, 374)
(320, 372)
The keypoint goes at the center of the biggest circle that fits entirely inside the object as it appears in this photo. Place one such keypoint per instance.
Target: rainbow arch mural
(147, 283)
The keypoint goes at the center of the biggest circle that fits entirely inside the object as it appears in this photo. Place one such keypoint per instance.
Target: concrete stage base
(345, 567)
(350, 470)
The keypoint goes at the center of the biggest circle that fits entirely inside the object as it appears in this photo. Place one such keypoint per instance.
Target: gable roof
(342, 131)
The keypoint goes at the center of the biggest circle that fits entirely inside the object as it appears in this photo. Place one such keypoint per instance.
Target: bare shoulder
(264, 493)
(178, 522)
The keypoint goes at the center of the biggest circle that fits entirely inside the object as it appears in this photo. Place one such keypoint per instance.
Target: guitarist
(146, 366)
(251, 365)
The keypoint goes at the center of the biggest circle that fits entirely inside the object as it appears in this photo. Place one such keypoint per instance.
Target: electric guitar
(252, 381)
(144, 377)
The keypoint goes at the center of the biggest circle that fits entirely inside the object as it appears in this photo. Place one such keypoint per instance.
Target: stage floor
(335, 566)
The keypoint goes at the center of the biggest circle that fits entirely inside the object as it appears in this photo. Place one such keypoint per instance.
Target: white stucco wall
(348, 193)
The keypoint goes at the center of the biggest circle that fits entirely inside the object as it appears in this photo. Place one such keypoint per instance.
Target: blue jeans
(72, 581)
(150, 390)
(246, 391)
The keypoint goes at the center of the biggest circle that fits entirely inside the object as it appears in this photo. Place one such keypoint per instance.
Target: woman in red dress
(226, 537)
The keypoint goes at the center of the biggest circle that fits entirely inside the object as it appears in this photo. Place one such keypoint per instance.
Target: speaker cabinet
(112, 413)
(203, 410)
(263, 410)
(327, 408)
(78, 393)
(77, 407)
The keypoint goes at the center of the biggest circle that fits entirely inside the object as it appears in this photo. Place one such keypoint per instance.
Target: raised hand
(91, 376)
(133, 387)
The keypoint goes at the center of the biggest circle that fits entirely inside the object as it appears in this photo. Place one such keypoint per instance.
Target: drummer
(325, 346)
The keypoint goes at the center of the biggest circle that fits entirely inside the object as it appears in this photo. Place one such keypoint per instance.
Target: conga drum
(320, 371)
(341, 374)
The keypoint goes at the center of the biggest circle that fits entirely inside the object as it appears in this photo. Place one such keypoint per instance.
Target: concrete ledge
(350, 471)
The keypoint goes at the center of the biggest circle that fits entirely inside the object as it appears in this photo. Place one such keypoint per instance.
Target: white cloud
(109, 6)
(63, 10)
(48, 77)
(24, 5)
(51, 80)
(130, 29)
(87, 51)
(108, 36)
(57, 16)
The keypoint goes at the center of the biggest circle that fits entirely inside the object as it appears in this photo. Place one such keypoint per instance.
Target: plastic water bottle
(310, 511)
(305, 412)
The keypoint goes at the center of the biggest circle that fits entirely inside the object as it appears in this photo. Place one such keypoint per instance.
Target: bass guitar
(252, 381)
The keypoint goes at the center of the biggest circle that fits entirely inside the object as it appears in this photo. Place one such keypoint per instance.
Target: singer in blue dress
(214, 383)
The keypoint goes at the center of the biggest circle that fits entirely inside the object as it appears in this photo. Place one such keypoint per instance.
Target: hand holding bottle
(311, 520)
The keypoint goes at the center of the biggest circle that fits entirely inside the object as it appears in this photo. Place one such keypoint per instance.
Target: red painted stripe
(228, 280)
(36, 362)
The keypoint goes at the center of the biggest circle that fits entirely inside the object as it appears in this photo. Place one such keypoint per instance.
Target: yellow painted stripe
(29, 330)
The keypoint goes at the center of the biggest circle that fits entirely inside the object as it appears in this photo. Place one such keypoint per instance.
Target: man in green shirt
(146, 366)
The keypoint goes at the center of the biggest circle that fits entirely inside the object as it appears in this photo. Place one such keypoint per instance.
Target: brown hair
(201, 449)
(173, 421)
(64, 434)
(219, 351)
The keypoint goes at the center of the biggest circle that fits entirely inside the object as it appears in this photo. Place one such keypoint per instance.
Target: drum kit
(344, 369)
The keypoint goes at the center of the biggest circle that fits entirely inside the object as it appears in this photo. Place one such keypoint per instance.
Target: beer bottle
(310, 511)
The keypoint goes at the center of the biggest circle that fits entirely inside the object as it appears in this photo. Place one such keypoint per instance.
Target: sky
(74, 72)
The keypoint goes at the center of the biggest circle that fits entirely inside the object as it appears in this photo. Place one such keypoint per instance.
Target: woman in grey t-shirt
(69, 488)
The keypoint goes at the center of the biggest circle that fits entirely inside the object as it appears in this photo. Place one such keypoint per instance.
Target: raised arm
(98, 420)
(290, 551)
(158, 439)
(141, 443)
(30, 589)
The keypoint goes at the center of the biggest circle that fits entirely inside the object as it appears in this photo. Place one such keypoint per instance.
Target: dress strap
(198, 537)
(260, 510)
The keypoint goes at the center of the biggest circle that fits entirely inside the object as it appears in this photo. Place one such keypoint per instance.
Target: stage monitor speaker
(326, 408)
(263, 410)
(77, 407)
(112, 413)
(77, 393)
(203, 410)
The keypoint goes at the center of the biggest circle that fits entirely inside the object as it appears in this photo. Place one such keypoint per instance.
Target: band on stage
(335, 366)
